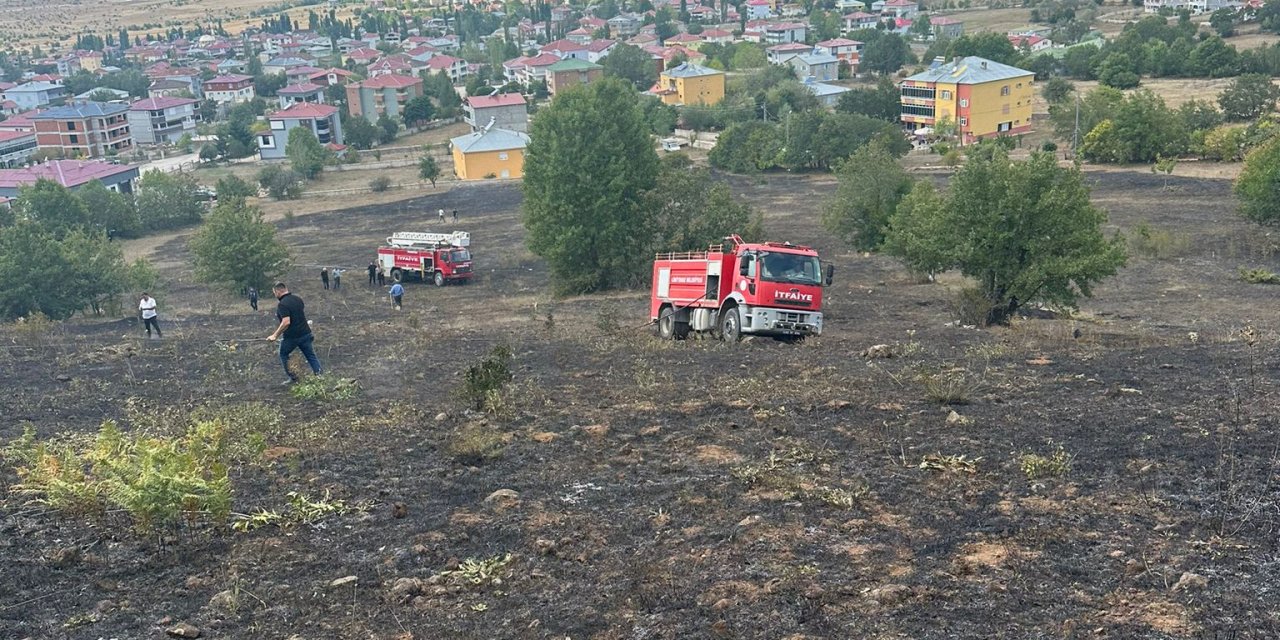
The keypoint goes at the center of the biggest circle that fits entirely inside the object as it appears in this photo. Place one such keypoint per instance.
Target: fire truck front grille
(462, 270)
(800, 318)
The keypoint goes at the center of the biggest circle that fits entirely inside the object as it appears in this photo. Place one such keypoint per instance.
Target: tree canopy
(871, 183)
(306, 155)
(587, 168)
(236, 248)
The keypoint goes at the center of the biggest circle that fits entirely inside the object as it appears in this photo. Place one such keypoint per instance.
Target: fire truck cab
(736, 289)
(436, 257)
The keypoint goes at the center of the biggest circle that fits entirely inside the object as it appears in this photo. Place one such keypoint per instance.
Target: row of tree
(813, 139)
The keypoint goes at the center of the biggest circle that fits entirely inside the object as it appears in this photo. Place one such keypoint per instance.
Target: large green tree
(692, 210)
(1248, 96)
(52, 206)
(883, 101)
(1029, 233)
(1258, 186)
(632, 64)
(108, 210)
(306, 155)
(89, 271)
(237, 249)
(585, 174)
(167, 200)
(871, 183)
(418, 111)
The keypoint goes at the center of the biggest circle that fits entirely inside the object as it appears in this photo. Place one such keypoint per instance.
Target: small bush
(476, 443)
(1158, 244)
(490, 374)
(324, 389)
(970, 307)
(1036, 466)
(302, 510)
(951, 386)
(380, 184)
(1049, 146)
(158, 481)
(1259, 276)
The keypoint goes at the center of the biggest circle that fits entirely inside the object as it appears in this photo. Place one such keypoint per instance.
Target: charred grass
(603, 484)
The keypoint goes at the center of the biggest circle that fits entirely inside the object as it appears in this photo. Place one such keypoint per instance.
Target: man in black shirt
(373, 272)
(294, 330)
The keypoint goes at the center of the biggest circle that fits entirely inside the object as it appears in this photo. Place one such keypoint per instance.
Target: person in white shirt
(147, 307)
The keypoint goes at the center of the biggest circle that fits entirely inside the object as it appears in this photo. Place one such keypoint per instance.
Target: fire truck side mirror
(831, 273)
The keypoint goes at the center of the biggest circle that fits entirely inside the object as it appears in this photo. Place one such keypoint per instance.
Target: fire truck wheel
(730, 325)
(397, 275)
(666, 324)
(439, 279)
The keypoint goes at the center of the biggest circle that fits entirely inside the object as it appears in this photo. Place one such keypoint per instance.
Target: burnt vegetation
(491, 462)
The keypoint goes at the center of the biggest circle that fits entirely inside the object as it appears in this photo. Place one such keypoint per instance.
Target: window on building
(266, 142)
(502, 156)
(1004, 126)
(75, 138)
(964, 122)
(946, 95)
(1004, 91)
(964, 102)
(71, 126)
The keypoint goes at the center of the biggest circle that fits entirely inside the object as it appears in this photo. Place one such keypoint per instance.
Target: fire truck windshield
(459, 255)
(790, 268)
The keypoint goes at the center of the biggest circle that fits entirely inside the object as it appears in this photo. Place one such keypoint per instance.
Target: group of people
(333, 275)
(455, 215)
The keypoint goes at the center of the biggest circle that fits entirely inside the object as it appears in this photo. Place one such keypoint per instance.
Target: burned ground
(692, 489)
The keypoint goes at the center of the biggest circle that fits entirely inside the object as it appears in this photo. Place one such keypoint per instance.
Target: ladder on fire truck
(410, 239)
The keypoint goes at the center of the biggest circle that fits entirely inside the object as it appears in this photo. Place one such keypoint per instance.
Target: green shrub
(380, 184)
(476, 443)
(158, 481)
(1259, 276)
(490, 374)
(324, 389)
(1158, 244)
(1036, 466)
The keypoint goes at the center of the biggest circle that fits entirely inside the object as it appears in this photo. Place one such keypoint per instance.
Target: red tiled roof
(68, 173)
(389, 80)
(304, 110)
(839, 42)
(6, 136)
(497, 100)
(230, 78)
(301, 87)
(563, 45)
(442, 62)
(153, 104)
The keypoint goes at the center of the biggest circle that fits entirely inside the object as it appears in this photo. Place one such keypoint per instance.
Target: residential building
(169, 88)
(295, 75)
(90, 130)
(821, 67)
(848, 52)
(455, 68)
(598, 49)
(331, 77)
(828, 94)
(534, 68)
(857, 21)
(690, 84)
(505, 111)
(565, 49)
(779, 53)
(780, 32)
(851, 5)
(303, 92)
(717, 36)
(945, 28)
(759, 9)
(102, 94)
(581, 35)
(1031, 43)
(321, 119)
(162, 120)
(230, 88)
(70, 174)
(382, 95)
(894, 9)
(570, 72)
(284, 63)
(33, 95)
(390, 65)
(16, 148)
(363, 55)
(983, 98)
(624, 24)
(489, 153)
(684, 40)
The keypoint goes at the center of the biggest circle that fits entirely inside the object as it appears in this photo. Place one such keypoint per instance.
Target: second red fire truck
(431, 257)
(736, 289)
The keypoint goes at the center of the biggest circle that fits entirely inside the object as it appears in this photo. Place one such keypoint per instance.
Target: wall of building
(499, 164)
(989, 108)
(703, 90)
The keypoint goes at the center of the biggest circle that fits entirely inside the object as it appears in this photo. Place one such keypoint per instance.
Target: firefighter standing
(397, 294)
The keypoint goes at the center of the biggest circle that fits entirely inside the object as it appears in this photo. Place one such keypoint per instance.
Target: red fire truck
(437, 257)
(735, 289)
